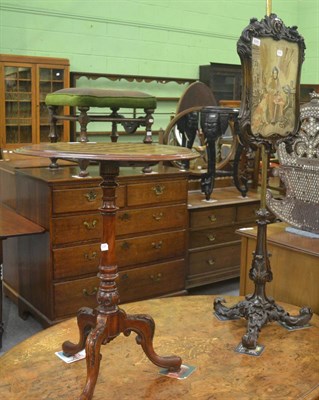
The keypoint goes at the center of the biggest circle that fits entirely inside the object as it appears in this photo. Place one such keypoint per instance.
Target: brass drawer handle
(89, 225)
(212, 218)
(88, 294)
(91, 256)
(158, 217)
(157, 245)
(211, 237)
(125, 217)
(157, 277)
(158, 190)
(125, 245)
(211, 261)
(91, 196)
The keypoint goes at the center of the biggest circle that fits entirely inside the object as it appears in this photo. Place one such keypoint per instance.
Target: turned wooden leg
(148, 126)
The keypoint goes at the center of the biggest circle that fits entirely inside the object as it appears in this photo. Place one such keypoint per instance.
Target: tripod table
(104, 323)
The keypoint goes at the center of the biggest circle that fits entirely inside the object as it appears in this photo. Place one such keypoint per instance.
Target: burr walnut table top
(121, 152)
(287, 369)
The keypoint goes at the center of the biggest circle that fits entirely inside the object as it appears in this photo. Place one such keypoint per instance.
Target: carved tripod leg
(144, 326)
(99, 335)
(86, 319)
(234, 312)
(305, 315)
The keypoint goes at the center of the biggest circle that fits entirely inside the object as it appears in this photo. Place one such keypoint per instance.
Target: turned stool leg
(149, 120)
(53, 135)
(83, 119)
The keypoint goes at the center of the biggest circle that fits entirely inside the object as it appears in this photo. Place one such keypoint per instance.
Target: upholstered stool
(84, 98)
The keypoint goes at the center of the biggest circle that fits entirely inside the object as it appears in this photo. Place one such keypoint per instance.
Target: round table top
(287, 369)
(122, 152)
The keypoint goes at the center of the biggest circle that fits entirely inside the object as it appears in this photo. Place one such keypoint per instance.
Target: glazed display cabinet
(25, 82)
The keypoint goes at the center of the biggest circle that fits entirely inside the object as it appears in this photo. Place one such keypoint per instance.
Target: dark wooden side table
(107, 321)
(12, 224)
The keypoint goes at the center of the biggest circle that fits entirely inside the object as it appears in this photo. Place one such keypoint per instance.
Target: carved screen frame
(270, 111)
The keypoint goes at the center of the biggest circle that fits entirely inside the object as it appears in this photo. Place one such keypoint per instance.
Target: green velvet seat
(85, 98)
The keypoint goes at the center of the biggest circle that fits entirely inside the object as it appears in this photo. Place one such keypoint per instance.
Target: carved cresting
(257, 308)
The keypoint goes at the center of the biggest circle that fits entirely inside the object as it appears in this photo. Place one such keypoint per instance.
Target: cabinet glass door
(50, 80)
(18, 105)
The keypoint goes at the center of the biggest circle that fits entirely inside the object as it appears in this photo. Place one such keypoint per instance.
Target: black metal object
(214, 122)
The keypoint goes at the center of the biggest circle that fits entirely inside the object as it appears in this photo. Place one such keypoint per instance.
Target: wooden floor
(287, 369)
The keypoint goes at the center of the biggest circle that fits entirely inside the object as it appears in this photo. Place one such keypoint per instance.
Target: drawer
(247, 213)
(151, 281)
(151, 219)
(151, 248)
(212, 217)
(157, 192)
(76, 261)
(70, 296)
(76, 228)
(213, 260)
(211, 237)
(84, 199)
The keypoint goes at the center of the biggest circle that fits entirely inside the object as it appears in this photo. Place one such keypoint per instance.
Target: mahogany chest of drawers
(54, 274)
(214, 247)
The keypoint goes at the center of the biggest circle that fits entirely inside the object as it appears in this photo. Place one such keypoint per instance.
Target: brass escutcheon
(86, 293)
(212, 218)
(211, 237)
(125, 217)
(91, 196)
(156, 277)
(158, 217)
(157, 245)
(91, 225)
(158, 190)
(91, 256)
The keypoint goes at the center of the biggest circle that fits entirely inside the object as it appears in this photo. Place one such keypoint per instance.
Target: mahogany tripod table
(103, 324)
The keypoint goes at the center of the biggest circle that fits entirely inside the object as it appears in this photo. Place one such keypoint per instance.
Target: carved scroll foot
(144, 326)
(86, 320)
(259, 311)
(101, 334)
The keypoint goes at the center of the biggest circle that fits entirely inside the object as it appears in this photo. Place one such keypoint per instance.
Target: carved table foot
(97, 328)
(86, 319)
(259, 311)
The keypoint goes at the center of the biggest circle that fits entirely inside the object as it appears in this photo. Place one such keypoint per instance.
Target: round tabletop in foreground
(133, 152)
(185, 326)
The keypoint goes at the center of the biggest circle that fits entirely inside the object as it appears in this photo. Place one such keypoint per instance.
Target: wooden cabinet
(225, 80)
(294, 262)
(305, 90)
(54, 274)
(214, 247)
(25, 82)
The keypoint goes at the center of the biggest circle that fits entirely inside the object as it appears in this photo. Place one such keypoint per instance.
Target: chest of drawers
(151, 239)
(214, 247)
